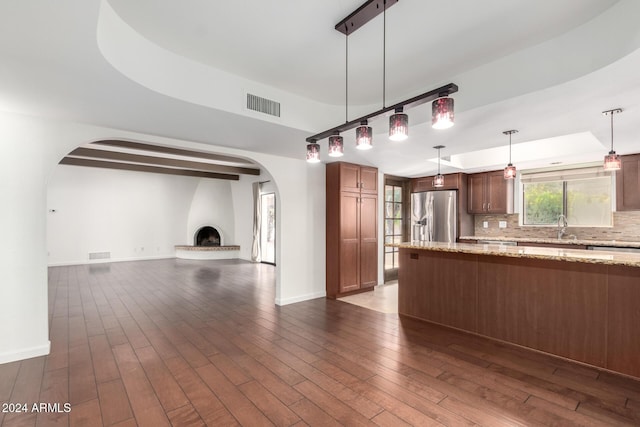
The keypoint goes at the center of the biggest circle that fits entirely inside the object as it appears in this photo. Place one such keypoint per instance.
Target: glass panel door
(393, 228)
(268, 228)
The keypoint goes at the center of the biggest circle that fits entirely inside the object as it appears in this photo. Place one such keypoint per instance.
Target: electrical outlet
(485, 224)
(502, 224)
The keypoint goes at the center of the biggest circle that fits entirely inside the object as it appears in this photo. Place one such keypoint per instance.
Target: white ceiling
(547, 69)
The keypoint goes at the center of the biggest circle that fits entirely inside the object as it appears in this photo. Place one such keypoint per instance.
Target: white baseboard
(25, 353)
(106, 261)
(301, 298)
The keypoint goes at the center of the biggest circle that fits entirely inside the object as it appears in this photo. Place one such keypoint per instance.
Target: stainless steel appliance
(434, 216)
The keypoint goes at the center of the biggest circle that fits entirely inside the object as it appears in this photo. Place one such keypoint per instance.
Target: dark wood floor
(188, 343)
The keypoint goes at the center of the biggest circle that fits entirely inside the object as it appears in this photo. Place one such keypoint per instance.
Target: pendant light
(336, 145)
(510, 170)
(442, 113)
(364, 136)
(612, 160)
(438, 180)
(398, 126)
(313, 152)
(442, 107)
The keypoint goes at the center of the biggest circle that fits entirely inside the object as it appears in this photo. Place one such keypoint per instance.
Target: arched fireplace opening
(207, 236)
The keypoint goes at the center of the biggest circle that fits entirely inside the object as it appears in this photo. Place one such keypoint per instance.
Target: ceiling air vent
(263, 105)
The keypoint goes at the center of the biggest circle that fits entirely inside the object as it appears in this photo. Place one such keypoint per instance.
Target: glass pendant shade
(364, 136)
(398, 126)
(612, 162)
(510, 172)
(438, 181)
(442, 113)
(313, 152)
(336, 146)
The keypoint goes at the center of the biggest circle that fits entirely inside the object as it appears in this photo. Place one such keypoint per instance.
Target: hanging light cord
(611, 130)
(384, 53)
(346, 79)
(438, 161)
(509, 148)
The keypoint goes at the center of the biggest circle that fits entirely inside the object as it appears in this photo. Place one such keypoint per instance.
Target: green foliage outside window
(542, 203)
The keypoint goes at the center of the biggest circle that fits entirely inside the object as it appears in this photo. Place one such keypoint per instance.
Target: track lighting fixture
(442, 107)
(438, 180)
(510, 170)
(612, 160)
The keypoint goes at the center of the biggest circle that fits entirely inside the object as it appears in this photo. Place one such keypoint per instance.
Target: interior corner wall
(23, 259)
(212, 205)
(130, 215)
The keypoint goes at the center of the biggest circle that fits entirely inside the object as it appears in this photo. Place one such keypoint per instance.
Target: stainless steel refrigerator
(434, 216)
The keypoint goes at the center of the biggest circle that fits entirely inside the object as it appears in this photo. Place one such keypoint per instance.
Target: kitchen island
(576, 304)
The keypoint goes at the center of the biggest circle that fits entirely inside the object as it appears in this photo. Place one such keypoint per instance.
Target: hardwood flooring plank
(144, 402)
(312, 415)
(104, 364)
(54, 390)
(86, 414)
(205, 402)
(269, 404)
(185, 416)
(387, 419)
(167, 389)
(114, 402)
(237, 403)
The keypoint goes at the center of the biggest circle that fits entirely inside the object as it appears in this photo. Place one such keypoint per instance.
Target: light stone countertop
(568, 242)
(556, 254)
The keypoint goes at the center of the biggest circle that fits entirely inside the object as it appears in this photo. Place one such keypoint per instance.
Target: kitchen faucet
(562, 226)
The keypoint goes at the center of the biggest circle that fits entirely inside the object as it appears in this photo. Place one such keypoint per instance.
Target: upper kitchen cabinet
(489, 192)
(452, 181)
(628, 184)
(358, 179)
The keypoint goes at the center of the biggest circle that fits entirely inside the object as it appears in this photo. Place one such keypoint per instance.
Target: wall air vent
(99, 255)
(263, 105)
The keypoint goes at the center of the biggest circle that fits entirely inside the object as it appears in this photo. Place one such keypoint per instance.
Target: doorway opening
(268, 228)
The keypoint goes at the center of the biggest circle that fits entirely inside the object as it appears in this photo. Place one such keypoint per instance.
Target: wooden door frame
(405, 183)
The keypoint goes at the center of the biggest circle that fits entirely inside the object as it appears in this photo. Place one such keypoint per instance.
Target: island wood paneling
(438, 287)
(584, 312)
(623, 339)
(553, 306)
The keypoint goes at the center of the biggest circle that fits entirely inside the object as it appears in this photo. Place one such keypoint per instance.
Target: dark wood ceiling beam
(161, 161)
(172, 150)
(74, 161)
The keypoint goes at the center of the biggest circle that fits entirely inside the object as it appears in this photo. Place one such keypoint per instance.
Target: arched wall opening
(33, 151)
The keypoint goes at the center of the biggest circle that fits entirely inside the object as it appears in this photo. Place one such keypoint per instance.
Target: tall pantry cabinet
(352, 228)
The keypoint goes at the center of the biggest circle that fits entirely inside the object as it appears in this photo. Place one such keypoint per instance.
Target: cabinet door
(421, 184)
(628, 184)
(496, 192)
(368, 180)
(368, 241)
(475, 193)
(349, 242)
(349, 177)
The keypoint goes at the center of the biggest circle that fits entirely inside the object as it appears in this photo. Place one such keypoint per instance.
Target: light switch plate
(485, 224)
(502, 224)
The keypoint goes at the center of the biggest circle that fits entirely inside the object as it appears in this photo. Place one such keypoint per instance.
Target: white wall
(212, 205)
(132, 215)
(31, 149)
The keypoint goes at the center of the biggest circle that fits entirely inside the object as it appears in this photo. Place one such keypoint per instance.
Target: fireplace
(207, 236)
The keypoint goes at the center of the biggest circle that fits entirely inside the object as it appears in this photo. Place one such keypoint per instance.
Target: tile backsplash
(626, 226)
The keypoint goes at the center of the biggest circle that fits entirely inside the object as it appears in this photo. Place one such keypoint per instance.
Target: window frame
(564, 176)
